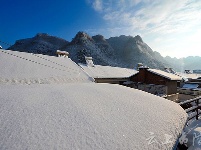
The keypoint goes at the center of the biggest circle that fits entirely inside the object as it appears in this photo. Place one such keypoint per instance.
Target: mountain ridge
(121, 51)
(41, 43)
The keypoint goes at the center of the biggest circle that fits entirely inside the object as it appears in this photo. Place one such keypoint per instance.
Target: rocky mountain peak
(49, 38)
(81, 38)
(99, 39)
(138, 39)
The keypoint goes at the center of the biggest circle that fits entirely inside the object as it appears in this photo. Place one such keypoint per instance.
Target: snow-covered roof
(189, 76)
(26, 68)
(99, 71)
(164, 74)
(86, 116)
(89, 61)
(62, 52)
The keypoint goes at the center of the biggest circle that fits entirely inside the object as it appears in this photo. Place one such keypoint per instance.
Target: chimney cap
(62, 53)
(143, 68)
(89, 61)
(88, 58)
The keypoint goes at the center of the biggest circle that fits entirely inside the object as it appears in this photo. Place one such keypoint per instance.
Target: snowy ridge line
(53, 62)
(40, 80)
(36, 62)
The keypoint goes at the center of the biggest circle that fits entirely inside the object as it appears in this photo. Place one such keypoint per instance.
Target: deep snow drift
(85, 116)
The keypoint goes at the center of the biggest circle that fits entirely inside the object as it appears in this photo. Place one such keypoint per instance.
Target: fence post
(197, 103)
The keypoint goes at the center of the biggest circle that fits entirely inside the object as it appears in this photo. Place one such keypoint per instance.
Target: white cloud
(98, 5)
(172, 19)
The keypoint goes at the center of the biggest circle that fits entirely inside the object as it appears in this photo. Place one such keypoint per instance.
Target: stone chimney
(140, 66)
(89, 61)
(62, 53)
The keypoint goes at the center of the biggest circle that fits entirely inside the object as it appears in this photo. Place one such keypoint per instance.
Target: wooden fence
(189, 108)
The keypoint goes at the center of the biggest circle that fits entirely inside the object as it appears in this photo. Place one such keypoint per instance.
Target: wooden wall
(147, 77)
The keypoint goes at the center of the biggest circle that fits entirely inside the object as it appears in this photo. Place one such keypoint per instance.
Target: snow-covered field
(79, 114)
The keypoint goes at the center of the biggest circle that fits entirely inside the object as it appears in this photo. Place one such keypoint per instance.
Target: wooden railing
(186, 105)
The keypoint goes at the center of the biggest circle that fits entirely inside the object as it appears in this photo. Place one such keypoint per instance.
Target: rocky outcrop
(96, 47)
(132, 50)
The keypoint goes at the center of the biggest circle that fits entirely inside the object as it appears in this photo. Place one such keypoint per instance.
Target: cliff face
(132, 50)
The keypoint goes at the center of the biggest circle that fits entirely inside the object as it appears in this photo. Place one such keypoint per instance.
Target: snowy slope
(86, 116)
(26, 68)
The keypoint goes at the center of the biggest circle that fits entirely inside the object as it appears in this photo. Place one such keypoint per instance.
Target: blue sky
(171, 27)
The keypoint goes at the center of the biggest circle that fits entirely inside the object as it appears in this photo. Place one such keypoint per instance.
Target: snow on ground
(99, 71)
(79, 114)
(85, 116)
(25, 68)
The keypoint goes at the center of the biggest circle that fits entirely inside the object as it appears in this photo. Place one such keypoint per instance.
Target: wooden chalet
(157, 77)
